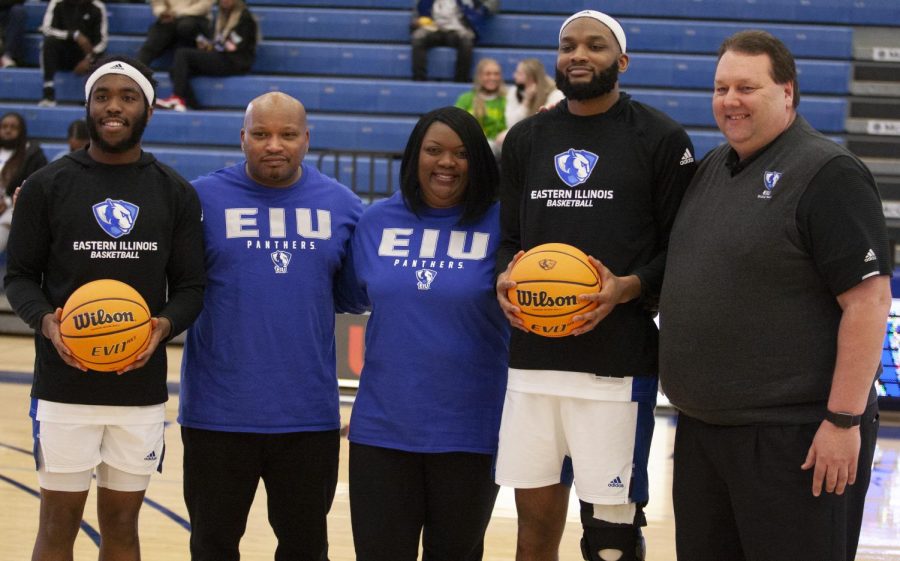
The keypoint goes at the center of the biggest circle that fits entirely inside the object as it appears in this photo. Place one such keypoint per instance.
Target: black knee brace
(627, 539)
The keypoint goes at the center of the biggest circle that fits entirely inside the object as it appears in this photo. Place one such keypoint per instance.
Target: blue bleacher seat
(504, 30)
(222, 128)
(395, 97)
(392, 61)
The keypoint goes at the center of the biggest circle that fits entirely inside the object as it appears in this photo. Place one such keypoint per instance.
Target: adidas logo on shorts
(151, 457)
(617, 483)
(870, 256)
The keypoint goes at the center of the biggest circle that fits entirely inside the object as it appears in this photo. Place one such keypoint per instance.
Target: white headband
(606, 20)
(119, 67)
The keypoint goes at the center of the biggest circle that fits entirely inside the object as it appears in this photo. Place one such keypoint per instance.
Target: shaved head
(286, 107)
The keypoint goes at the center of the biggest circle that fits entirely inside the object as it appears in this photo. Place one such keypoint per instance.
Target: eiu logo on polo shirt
(574, 167)
(770, 180)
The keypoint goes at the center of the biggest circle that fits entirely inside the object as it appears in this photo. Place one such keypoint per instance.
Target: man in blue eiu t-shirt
(259, 395)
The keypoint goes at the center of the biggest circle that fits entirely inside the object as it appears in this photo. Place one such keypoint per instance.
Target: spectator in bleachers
(448, 23)
(76, 136)
(5, 222)
(231, 51)
(75, 34)
(19, 155)
(486, 101)
(178, 24)
(533, 90)
(12, 23)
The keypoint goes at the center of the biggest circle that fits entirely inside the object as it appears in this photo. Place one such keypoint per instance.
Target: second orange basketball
(549, 278)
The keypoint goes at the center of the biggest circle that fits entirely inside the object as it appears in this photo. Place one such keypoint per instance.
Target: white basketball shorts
(537, 431)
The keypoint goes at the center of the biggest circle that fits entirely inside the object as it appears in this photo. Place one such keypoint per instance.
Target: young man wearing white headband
(107, 211)
(606, 174)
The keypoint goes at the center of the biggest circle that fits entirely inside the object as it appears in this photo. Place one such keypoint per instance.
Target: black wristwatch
(843, 420)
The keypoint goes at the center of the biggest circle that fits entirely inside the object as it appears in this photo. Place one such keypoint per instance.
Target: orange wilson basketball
(549, 279)
(106, 325)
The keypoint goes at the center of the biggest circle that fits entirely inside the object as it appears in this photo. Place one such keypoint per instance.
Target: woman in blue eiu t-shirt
(424, 427)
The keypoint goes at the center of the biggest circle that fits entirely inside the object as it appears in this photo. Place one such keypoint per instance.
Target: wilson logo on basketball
(106, 325)
(544, 300)
(100, 317)
(549, 279)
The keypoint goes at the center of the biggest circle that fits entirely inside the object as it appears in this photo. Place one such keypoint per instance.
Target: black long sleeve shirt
(610, 185)
(78, 220)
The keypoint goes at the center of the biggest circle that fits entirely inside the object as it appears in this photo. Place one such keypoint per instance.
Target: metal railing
(347, 167)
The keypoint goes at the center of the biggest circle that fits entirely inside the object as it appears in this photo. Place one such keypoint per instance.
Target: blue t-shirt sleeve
(349, 295)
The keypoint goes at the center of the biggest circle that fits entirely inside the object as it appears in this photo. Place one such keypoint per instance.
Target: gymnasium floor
(164, 530)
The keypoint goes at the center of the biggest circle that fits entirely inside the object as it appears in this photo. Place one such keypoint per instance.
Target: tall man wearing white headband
(606, 174)
(107, 211)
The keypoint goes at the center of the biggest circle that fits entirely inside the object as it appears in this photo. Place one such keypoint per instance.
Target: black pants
(423, 39)
(190, 62)
(739, 494)
(13, 22)
(395, 496)
(222, 471)
(163, 36)
(59, 54)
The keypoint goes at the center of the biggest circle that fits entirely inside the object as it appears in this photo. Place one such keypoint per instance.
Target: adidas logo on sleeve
(687, 158)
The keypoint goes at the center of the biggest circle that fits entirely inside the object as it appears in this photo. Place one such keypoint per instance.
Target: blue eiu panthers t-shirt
(261, 355)
(436, 342)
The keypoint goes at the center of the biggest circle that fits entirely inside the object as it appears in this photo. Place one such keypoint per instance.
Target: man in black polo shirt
(772, 320)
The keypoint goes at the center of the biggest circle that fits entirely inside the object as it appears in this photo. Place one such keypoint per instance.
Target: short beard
(137, 132)
(10, 144)
(601, 84)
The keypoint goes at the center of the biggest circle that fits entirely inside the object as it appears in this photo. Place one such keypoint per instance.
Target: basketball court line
(16, 377)
(878, 541)
(165, 511)
(85, 527)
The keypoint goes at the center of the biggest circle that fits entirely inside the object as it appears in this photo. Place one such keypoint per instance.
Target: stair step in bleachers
(504, 30)
(876, 78)
(872, 146)
(876, 43)
(874, 115)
